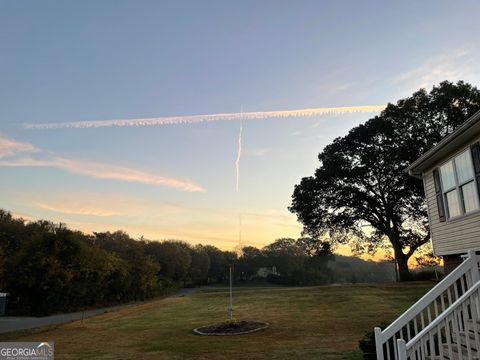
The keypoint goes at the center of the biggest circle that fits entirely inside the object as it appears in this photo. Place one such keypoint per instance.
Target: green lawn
(323, 322)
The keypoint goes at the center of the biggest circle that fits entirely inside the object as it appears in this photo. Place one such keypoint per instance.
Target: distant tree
(2, 269)
(285, 255)
(49, 271)
(118, 242)
(218, 264)
(314, 247)
(232, 259)
(6, 221)
(230, 256)
(12, 232)
(142, 269)
(199, 266)
(173, 256)
(250, 262)
(361, 191)
(110, 276)
(318, 253)
(428, 260)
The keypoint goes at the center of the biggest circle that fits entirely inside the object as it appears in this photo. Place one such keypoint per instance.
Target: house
(263, 272)
(445, 323)
(451, 176)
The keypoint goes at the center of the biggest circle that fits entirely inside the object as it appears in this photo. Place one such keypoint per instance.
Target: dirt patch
(236, 328)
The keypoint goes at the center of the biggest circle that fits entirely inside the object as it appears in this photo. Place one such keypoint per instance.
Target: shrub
(425, 275)
(367, 344)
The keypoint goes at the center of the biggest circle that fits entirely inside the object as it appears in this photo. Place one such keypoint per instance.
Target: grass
(323, 322)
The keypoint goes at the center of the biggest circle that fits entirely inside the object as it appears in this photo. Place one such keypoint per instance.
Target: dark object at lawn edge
(230, 329)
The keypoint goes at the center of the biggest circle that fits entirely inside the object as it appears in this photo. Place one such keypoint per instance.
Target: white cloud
(13, 155)
(257, 152)
(102, 205)
(453, 65)
(9, 147)
(76, 209)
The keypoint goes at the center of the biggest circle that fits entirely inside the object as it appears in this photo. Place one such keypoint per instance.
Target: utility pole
(231, 295)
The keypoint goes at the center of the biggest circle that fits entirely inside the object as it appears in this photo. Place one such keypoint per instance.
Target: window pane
(464, 166)
(453, 205)
(448, 176)
(469, 197)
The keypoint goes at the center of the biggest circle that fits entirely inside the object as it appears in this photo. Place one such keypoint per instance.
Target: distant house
(445, 323)
(263, 272)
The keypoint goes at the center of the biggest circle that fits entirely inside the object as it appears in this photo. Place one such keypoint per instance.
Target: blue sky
(65, 61)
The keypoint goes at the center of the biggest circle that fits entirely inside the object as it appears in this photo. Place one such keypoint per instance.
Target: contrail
(190, 119)
(239, 154)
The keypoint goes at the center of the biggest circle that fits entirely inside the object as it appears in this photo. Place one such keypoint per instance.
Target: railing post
(475, 271)
(402, 349)
(378, 342)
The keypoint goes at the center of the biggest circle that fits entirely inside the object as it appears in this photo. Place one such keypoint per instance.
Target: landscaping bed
(233, 328)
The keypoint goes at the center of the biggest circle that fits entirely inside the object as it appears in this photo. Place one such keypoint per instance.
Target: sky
(73, 63)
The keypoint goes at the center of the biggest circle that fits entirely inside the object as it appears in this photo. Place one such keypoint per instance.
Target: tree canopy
(47, 268)
(361, 194)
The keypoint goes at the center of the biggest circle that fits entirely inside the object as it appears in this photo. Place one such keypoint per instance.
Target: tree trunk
(402, 263)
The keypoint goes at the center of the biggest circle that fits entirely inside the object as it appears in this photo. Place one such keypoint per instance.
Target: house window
(458, 185)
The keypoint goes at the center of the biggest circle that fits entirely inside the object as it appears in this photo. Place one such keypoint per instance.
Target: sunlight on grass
(307, 323)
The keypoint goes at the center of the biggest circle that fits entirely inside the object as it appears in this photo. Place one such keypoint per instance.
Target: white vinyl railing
(407, 328)
(454, 334)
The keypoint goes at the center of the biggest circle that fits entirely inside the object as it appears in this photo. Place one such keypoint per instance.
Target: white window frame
(458, 187)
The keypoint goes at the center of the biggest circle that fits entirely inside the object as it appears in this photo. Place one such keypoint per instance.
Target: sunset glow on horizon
(171, 122)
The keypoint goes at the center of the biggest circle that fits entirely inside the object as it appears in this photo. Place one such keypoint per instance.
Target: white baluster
(402, 349)
(378, 343)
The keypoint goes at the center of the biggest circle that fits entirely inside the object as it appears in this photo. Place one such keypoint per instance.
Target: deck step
(456, 355)
(462, 337)
(445, 357)
(471, 326)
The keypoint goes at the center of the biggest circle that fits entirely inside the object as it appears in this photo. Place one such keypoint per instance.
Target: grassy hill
(323, 322)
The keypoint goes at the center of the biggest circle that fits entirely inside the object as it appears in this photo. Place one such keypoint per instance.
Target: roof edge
(418, 166)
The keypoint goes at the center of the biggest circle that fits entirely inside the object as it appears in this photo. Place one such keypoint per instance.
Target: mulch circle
(226, 329)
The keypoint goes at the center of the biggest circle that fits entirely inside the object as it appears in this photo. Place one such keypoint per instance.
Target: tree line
(47, 268)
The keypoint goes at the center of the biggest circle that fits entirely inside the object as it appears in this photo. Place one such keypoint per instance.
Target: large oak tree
(361, 193)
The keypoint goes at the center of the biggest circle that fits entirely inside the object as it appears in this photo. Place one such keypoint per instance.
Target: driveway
(15, 323)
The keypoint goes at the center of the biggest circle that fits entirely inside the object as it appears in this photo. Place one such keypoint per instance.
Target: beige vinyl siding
(451, 236)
